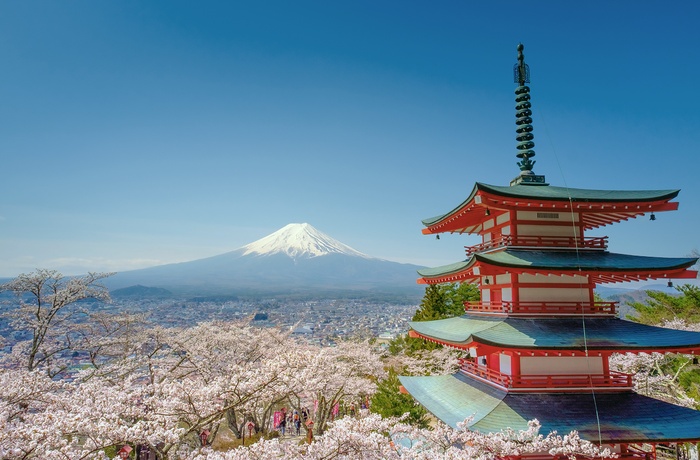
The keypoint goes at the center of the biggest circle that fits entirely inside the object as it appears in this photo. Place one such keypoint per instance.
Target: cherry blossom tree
(25, 397)
(650, 377)
(164, 386)
(375, 438)
(659, 375)
(162, 396)
(44, 297)
(259, 366)
(107, 337)
(328, 376)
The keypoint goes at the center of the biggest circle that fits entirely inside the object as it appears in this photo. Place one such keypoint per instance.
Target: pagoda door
(496, 296)
(493, 237)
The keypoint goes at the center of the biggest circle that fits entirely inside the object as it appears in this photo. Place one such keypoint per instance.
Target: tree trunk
(232, 421)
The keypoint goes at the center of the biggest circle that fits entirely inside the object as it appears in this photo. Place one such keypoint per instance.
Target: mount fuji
(299, 241)
(296, 259)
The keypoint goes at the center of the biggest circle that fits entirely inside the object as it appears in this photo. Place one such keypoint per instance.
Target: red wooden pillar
(515, 363)
(606, 364)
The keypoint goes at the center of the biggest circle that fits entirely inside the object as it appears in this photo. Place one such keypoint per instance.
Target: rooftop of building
(573, 333)
(615, 417)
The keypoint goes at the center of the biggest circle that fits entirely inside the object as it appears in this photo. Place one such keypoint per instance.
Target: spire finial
(523, 121)
(521, 70)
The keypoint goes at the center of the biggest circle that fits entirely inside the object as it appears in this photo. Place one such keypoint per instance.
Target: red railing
(471, 368)
(618, 456)
(616, 380)
(632, 453)
(540, 242)
(612, 380)
(543, 308)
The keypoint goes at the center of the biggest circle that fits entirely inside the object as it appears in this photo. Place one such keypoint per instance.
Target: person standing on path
(297, 422)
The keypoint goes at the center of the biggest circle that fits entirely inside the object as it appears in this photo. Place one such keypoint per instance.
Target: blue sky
(137, 133)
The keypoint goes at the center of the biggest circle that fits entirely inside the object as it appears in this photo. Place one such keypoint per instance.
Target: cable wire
(580, 271)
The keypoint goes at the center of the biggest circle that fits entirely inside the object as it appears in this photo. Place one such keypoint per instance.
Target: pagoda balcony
(549, 382)
(558, 242)
(631, 455)
(552, 308)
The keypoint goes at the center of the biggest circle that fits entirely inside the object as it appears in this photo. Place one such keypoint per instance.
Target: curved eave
(459, 272)
(555, 334)
(462, 219)
(600, 266)
(597, 207)
(577, 195)
(621, 417)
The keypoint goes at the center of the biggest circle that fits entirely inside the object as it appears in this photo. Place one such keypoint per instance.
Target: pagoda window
(557, 225)
(503, 279)
(566, 230)
(507, 294)
(503, 218)
(561, 365)
(505, 364)
(547, 217)
(525, 278)
(543, 288)
(552, 294)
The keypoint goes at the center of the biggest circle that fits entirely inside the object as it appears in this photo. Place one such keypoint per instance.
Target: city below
(320, 321)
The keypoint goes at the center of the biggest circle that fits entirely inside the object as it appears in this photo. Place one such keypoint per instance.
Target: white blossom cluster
(376, 438)
(171, 384)
(165, 387)
(650, 379)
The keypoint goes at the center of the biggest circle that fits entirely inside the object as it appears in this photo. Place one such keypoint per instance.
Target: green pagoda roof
(552, 193)
(564, 260)
(625, 417)
(556, 333)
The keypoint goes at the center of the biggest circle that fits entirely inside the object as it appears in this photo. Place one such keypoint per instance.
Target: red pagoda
(538, 342)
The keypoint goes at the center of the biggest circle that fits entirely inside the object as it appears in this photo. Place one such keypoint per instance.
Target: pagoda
(538, 343)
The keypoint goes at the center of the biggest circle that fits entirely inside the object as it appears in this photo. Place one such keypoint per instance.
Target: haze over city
(143, 133)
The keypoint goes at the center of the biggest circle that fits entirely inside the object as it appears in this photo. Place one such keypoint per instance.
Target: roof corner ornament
(523, 121)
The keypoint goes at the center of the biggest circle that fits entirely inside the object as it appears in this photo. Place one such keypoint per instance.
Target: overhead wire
(580, 270)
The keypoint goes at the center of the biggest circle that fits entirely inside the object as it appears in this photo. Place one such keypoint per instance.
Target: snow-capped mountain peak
(299, 241)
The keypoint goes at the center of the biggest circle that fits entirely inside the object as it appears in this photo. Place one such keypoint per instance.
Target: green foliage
(445, 301)
(410, 345)
(388, 401)
(439, 302)
(684, 373)
(660, 306)
(690, 379)
(433, 306)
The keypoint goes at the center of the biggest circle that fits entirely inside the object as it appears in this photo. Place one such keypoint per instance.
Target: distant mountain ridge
(297, 258)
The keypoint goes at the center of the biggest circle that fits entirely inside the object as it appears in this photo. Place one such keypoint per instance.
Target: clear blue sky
(136, 133)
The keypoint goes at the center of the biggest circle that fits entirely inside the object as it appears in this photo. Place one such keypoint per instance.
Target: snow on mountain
(299, 241)
(296, 259)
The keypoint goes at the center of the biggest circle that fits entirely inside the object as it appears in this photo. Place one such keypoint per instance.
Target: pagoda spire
(523, 121)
